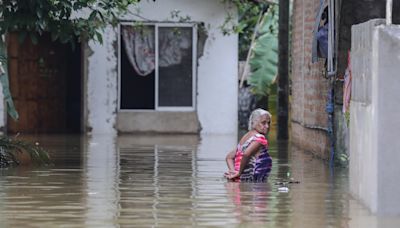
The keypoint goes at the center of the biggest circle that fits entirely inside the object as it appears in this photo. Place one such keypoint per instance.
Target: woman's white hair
(255, 116)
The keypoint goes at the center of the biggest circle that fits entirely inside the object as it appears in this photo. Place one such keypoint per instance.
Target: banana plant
(264, 57)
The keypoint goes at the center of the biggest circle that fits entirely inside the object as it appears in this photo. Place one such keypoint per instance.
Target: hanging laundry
(347, 87)
(320, 36)
(139, 42)
(139, 47)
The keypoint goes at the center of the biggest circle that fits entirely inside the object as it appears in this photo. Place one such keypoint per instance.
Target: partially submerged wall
(350, 13)
(217, 85)
(309, 121)
(374, 121)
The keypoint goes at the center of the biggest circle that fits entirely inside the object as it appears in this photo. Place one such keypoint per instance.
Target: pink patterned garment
(258, 168)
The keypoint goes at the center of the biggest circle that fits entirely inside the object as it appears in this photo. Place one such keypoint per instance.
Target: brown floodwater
(173, 181)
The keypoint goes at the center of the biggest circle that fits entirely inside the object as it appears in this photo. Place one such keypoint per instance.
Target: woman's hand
(231, 175)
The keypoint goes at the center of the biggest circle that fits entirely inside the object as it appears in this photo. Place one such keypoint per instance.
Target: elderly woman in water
(250, 161)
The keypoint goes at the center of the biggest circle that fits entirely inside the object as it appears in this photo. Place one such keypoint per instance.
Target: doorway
(46, 86)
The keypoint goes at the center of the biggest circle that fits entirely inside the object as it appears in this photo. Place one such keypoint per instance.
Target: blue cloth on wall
(315, 53)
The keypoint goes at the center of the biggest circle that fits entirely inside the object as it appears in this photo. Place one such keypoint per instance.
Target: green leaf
(55, 17)
(99, 37)
(10, 148)
(41, 24)
(39, 14)
(93, 15)
(264, 57)
(34, 38)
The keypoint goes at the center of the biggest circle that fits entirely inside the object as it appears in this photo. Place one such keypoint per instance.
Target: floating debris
(287, 182)
(283, 189)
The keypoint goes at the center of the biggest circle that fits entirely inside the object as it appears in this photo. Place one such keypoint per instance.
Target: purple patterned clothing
(259, 167)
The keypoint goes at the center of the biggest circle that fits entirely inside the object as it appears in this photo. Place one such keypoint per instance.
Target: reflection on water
(172, 181)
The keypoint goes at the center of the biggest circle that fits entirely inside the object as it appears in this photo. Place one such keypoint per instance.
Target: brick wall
(309, 87)
(309, 120)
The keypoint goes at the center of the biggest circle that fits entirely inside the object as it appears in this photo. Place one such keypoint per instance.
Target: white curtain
(172, 45)
(139, 46)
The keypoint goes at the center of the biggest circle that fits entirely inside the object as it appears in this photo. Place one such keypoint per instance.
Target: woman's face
(262, 125)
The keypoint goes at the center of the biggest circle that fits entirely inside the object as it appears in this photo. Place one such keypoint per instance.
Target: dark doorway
(46, 86)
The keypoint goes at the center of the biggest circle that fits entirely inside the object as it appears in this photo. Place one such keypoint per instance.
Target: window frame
(157, 108)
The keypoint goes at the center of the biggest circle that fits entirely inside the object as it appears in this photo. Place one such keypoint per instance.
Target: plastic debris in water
(283, 189)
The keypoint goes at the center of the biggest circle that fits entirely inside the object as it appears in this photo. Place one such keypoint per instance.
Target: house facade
(188, 88)
(166, 68)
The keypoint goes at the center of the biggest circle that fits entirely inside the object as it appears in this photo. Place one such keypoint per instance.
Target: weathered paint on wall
(101, 88)
(216, 72)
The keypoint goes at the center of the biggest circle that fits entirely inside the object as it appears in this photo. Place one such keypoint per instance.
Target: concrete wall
(374, 122)
(216, 72)
(309, 88)
(351, 13)
(150, 121)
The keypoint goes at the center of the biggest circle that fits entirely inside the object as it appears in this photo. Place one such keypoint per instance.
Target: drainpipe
(389, 7)
(331, 71)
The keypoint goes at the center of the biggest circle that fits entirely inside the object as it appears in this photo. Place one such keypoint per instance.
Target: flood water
(173, 181)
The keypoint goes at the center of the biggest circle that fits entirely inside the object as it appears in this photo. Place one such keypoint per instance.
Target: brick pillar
(309, 87)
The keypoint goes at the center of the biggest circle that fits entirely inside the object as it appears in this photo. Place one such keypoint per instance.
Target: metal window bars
(331, 70)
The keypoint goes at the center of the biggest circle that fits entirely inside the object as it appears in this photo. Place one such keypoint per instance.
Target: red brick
(309, 87)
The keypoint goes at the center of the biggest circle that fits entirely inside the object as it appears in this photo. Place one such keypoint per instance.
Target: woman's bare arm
(247, 154)
(230, 157)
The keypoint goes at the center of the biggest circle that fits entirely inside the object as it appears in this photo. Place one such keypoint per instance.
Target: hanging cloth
(139, 48)
(347, 87)
(319, 34)
(173, 44)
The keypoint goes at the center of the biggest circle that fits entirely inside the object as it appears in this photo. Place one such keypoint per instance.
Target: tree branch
(262, 1)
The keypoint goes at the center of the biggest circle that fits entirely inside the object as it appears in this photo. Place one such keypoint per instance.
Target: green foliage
(12, 149)
(264, 58)
(248, 16)
(4, 81)
(264, 52)
(342, 160)
(63, 19)
(347, 118)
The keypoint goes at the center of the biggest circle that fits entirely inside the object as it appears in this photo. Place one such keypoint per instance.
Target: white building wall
(374, 121)
(363, 164)
(387, 122)
(100, 91)
(217, 69)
